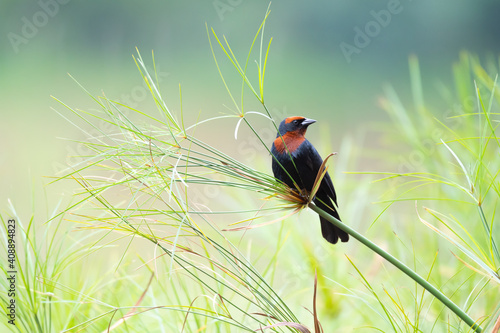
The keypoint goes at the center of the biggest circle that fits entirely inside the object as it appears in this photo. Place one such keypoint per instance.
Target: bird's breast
(288, 141)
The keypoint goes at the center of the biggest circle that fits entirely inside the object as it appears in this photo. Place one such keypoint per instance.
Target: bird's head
(296, 125)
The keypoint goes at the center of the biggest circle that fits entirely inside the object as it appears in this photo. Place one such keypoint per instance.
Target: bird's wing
(330, 189)
(314, 161)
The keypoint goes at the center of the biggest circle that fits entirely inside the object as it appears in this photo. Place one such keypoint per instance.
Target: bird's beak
(307, 122)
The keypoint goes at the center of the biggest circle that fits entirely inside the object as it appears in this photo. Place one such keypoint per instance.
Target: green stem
(402, 267)
(487, 229)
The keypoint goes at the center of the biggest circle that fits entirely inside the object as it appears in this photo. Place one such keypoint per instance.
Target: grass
(459, 175)
(137, 251)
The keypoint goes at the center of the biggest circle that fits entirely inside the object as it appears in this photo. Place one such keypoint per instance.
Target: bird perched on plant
(294, 157)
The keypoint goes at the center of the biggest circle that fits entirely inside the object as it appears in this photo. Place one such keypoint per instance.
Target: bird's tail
(330, 232)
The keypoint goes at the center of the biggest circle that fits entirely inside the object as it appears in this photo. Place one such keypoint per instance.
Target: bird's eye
(295, 122)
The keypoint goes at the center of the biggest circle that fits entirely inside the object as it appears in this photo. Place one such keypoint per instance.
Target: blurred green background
(307, 72)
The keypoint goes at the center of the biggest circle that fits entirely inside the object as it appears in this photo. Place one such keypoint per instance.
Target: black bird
(304, 169)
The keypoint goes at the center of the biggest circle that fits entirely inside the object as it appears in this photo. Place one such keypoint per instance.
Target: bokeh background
(307, 71)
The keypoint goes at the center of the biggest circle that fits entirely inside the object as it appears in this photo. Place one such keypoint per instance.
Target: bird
(296, 163)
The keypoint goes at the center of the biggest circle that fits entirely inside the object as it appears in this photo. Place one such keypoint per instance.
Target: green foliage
(453, 166)
(178, 269)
